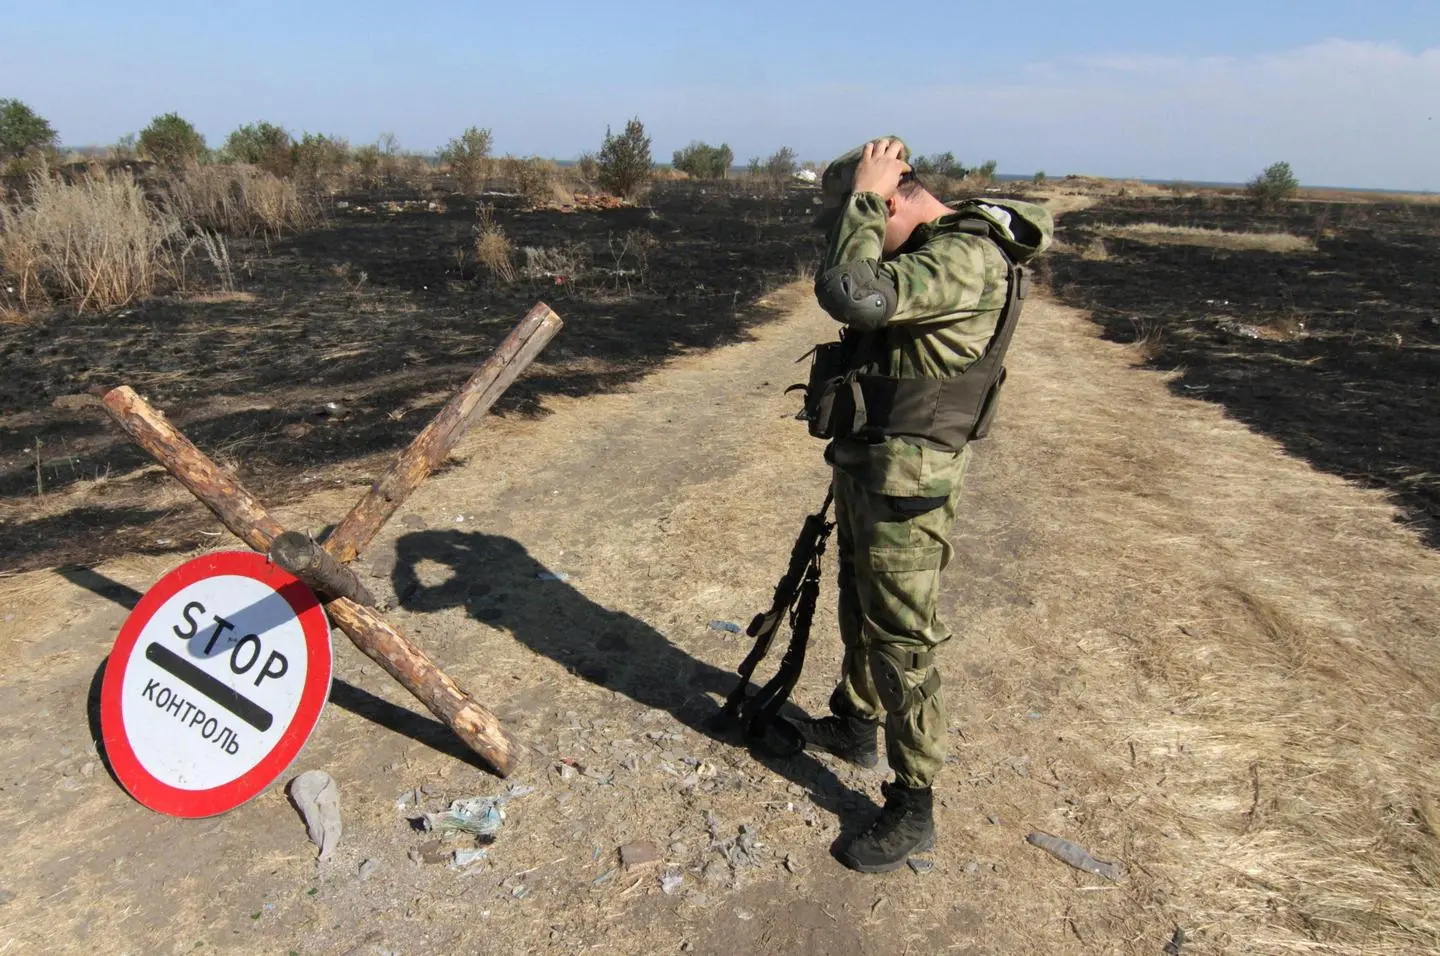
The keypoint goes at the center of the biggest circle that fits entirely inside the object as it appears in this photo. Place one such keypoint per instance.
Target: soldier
(920, 287)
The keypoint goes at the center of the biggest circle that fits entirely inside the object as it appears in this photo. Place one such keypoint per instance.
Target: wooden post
(243, 514)
(297, 552)
(439, 438)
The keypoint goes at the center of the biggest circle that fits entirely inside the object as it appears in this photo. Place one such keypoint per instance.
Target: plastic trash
(481, 816)
(464, 856)
(729, 626)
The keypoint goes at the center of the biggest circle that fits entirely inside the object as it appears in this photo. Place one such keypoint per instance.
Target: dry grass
(1155, 232)
(97, 243)
(492, 247)
(1254, 704)
(239, 200)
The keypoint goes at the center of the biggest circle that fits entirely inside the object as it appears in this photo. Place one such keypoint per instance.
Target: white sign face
(215, 683)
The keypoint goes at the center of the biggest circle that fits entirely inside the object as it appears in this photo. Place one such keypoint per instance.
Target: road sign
(214, 684)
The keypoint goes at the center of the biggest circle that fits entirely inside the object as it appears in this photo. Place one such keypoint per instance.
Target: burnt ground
(1334, 353)
(373, 312)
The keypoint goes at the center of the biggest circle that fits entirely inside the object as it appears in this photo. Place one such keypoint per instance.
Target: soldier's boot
(851, 738)
(906, 825)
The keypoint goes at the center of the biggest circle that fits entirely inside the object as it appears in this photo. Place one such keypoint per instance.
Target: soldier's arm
(858, 287)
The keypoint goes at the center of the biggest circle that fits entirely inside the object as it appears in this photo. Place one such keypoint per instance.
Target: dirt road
(1175, 646)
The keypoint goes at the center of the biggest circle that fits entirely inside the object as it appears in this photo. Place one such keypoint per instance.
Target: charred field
(341, 342)
(1314, 323)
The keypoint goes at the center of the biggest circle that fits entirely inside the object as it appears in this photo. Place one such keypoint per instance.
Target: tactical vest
(845, 398)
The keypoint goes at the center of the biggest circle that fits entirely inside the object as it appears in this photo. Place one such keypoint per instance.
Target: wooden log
(236, 508)
(439, 438)
(471, 721)
(297, 552)
(243, 514)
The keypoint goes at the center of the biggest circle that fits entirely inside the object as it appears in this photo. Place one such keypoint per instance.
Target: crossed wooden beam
(324, 565)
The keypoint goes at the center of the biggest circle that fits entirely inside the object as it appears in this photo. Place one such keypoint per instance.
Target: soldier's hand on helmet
(880, 168)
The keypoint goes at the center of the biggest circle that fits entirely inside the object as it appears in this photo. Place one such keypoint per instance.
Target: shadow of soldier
(497, 581)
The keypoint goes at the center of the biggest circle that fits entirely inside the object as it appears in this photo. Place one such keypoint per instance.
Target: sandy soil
(1176, 646)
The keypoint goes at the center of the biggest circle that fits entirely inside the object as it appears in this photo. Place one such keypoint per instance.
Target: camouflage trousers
(894, 509)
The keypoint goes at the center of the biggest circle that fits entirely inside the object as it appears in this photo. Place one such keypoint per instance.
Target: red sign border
(192, 804)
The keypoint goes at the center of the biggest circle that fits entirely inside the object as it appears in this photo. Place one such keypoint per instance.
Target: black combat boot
(906, 825)
(851, 738)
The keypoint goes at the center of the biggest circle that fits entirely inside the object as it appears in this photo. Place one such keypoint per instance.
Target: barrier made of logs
(323, 566)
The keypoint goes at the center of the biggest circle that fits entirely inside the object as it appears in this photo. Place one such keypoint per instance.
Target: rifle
(795, 597)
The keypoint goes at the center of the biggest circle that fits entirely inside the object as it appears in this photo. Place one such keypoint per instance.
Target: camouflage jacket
(951, 286)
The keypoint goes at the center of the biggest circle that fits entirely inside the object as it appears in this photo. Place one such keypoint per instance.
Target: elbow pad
(858, 294)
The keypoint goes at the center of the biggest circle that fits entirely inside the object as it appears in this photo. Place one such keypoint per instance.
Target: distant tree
(317, 156)
(262, 144)
(781, 165)
(986, 170)
(624, 164)
(468, 157)
(23, 131)
(939, 165)
(703, 161)
(170, 140)
(125, 148)
(1039, 178)
(1276, 184)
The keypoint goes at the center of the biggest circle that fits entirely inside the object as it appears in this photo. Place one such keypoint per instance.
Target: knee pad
(889, 666)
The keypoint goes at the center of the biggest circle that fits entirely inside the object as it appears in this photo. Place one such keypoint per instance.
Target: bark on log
(471, 721)
(243, 514)
(439, 438)
(297, 552)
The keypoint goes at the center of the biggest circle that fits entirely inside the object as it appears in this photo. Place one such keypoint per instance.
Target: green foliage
(1276, 184)
(703, 161)
(624, 163)
(264, 145)
(23, 131)
(468, 157)
(1039, 178)
(589, 167)
(985, 170)
(942, 165)
(318, 157)
(170, 140)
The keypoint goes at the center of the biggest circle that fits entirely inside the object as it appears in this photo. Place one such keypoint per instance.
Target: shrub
(492, 246)
(781, 165)
(589, 167)
(938, 165)
(468, 157)
(535, 179)
(171, 141)
(319, 157)
(125, 148)
(624, 163)
(985, 171)
(1039, 178)
(23, 131)
(703, 161)
(96, 243)
(1276, 184)
(261, 144)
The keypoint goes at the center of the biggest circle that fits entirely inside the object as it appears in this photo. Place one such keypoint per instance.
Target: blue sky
(1347, 92)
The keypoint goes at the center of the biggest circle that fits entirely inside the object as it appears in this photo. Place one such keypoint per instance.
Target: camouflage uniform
(897, 501)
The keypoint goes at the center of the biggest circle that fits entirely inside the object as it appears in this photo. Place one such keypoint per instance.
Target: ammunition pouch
(845, 398)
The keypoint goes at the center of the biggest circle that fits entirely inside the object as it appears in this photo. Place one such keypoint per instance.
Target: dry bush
(492, 246)
(1155, 232)
(239, 200)
(536, 180)
(97, 243)
(1096, 251)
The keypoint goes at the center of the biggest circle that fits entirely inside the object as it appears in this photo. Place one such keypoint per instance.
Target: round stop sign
(215, 682)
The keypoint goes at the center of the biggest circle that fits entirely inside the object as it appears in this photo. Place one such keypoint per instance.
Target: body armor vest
(845, 398)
